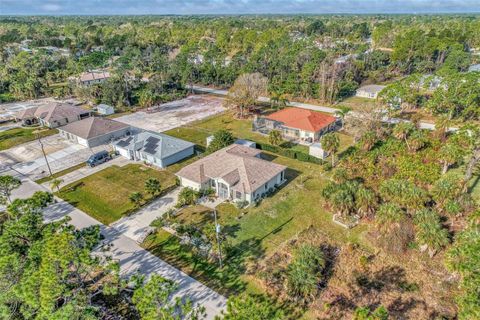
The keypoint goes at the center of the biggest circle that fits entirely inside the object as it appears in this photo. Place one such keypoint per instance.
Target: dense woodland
(312, 58)
(413, 188)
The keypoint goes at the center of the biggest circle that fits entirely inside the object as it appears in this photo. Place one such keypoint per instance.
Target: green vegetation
(13, 137)
(42, 264)
(105, 194)
(60, 173)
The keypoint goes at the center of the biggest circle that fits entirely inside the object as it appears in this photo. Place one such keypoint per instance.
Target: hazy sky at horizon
(96, 7)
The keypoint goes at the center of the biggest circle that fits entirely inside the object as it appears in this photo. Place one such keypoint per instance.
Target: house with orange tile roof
(296, 124)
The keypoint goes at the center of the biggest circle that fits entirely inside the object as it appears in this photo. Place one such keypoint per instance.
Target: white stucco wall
(189, 184)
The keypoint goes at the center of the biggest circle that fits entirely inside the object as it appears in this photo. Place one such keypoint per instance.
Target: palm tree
(429, 231)
(368, 140)
(152, 186)
(341, 113)
(402, 130)
(450, 154)
(441, 127)
(136, 198)
(330, 143)
(343, 202)
(275, 137)
(55, 184)
(365, 201)
(416, 141)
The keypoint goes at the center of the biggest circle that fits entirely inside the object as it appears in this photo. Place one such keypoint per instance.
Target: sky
(135, 7)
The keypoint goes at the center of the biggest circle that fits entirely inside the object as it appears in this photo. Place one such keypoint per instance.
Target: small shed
(370, 91)
(105, 109)
(246, 143)
(317, 151)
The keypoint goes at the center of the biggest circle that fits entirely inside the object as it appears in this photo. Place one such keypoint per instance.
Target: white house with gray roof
(157, 149)
(236, 172)
(369, 91)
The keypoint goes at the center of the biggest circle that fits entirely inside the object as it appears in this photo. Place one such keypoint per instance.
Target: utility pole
(44, 155)
(217, 233)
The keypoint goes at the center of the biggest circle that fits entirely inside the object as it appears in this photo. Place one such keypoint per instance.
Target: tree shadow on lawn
(226, 280)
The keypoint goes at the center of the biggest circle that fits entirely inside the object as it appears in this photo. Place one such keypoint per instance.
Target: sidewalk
(136, 225)
(87, 171)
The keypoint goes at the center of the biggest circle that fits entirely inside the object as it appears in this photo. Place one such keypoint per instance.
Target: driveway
(136, 225)
(132, 258)
(175, 114)
(62, 154)
(87, 171)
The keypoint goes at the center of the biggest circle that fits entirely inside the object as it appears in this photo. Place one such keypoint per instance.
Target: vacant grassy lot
(16, 136)
(104, 195)
(256, 232)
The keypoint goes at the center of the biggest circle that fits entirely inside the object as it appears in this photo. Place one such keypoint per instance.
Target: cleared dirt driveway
(174, 114)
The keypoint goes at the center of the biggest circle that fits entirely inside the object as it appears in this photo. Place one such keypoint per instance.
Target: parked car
(98, 158)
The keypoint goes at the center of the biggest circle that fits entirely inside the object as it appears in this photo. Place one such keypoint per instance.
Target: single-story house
(154, 148)
(52, 115)
(236, 173)
(296, 124)
(91, 77)
(92, 132)
(370, 91)
(105, 109)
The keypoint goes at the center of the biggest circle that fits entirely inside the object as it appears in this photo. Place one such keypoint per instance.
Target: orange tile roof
(302, 119)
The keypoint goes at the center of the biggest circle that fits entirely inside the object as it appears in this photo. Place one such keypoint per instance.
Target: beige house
(52, 115)
(93, 131)
(235, 173)
(91, 77)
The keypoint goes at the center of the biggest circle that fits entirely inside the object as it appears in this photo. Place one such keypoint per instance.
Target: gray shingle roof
(159, 145)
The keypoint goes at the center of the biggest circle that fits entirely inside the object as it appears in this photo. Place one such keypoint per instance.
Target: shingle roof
(237, 165)
(93, 127)
(372, 88)
(303, 119)
(52, 111)
(94, 75)
(156, 144)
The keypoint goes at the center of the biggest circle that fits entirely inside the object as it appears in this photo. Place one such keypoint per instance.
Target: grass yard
(257, 232)
(60, 173)
(198, 132)
(104, 195)
(16, 136)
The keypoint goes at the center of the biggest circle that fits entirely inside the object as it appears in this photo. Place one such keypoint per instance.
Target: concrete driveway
(135, 226)
(28, 158)
(175, 114)
(131, 257)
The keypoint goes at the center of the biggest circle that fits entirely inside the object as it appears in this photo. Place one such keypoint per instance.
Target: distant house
(430, 82)
(105, 109)
(52, 115)
(370, 91)
(91, 77)
(154, 148)
(474, 68)
(236, 173)
(93, 131)
(296, 124)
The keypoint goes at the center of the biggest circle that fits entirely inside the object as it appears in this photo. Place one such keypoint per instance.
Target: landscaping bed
(105, 194)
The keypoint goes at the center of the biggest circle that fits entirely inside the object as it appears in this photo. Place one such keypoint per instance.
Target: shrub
(187, 196)
(221, 139)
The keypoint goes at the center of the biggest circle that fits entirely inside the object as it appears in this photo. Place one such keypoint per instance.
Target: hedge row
(289, 153)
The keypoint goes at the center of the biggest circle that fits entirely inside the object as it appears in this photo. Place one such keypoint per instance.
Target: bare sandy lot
(174, 114)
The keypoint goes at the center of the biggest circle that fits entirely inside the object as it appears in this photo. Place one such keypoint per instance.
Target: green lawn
(197, 132)
(104, 195)
(16, 136)
(257, 231)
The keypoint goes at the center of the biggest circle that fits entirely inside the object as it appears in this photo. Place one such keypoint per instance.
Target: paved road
(131, 257)
(135, 226)
(422, 124)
